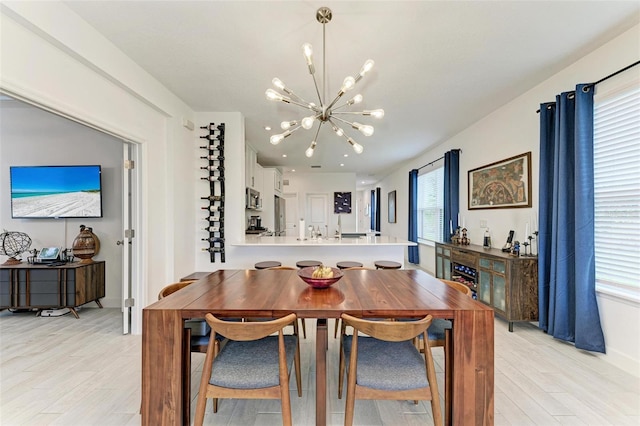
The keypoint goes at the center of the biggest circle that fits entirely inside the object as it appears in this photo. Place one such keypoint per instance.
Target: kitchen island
(288, 249)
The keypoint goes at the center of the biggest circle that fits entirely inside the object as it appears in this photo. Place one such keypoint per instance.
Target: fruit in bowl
(322, 272)
(320, 276)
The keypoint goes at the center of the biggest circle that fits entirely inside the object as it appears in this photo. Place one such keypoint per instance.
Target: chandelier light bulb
(348, 84)
(272, 95)
(276, 139)
(307, 51)
(355, 145)
(365, 129)
(355, 100)
(307, 122)
(338, 131)
(287, 124)
(366, 67)
(278, 83)
(375, 113)
(309, 151)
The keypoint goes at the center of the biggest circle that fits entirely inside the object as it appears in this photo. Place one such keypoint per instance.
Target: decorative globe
(13, 244)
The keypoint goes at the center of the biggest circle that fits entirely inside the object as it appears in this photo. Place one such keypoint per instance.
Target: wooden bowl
(306, 275)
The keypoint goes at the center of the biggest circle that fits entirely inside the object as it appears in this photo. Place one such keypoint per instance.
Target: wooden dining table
(275, 293)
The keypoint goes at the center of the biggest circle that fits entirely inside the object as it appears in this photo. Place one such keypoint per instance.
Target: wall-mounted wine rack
(215, 209)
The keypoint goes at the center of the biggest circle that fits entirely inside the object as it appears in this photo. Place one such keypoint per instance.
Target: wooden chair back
(172, 288)
(385, 335)
(463, 288)
(243, 332)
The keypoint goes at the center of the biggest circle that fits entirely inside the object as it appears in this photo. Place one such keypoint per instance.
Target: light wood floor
(67, 371)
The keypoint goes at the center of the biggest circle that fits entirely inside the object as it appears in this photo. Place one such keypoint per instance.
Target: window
(431, 205)
(617, 189)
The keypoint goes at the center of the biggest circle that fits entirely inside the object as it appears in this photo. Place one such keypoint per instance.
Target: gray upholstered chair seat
(437, 328)
(403, 365)
(252, 364)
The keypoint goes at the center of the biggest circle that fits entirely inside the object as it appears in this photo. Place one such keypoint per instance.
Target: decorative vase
(86, 245)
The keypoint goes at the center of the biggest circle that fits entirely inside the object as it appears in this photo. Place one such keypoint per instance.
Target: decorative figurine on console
(464, 240)
(515, 250)
(456, 237)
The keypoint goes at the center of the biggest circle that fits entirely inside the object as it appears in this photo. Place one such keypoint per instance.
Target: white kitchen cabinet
(251, 161)
(273, 177)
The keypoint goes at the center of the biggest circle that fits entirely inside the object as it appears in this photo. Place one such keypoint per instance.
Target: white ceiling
(440, 65)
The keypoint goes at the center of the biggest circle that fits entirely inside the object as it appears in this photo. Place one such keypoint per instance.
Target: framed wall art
(341, 202)
(500, 185)
(392, 207)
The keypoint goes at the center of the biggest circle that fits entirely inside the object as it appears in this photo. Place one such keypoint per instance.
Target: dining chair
(289, 268)
(200, 331)
(386, 365)
(439, 335)
(254, 364)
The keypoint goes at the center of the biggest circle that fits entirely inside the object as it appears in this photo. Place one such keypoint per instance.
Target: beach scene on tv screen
(55, 192)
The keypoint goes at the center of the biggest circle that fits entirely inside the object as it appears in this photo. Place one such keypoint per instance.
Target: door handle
(121, 242)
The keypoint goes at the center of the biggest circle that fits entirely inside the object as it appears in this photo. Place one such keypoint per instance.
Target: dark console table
(507, 283)
(27, 286)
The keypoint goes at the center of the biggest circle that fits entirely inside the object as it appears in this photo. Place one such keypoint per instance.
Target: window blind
(617, 188)
(431, 205)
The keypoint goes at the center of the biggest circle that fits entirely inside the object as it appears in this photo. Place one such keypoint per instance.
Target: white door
(291, 214)
(317, 211)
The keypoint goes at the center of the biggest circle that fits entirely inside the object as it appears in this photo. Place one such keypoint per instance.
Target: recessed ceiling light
(284, 155)
(346, 155)
(267, 128)
(362, 182)
(293, 170)
(342, 165)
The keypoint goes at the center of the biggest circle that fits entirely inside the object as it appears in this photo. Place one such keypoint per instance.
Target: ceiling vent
(316, 167)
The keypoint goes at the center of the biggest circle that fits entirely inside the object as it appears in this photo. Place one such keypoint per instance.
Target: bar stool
(387, 264)
(307, 263)
(348, 264)
(267, 264)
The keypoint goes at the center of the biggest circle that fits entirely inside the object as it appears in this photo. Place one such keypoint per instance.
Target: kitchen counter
(289, 250)
(383, 240)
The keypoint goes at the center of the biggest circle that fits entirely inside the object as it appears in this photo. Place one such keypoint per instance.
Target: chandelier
(325, 112)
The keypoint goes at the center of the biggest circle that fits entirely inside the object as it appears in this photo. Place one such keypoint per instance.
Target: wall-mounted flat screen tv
(45, 192)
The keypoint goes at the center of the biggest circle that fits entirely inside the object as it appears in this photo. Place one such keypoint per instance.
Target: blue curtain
(373, 211)
(378, 206)
(414, 255)
(451, 192)
(568, 309)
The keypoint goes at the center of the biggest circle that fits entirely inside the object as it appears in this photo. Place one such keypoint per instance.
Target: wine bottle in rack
(211, 157)
(214, 239)
(212, 208)
(213, 198)
(211, 147)
(215, 219)
(213, 168)
(213, 178)
(214, 249)
(212, 137)
(211, 126)
(214, 229)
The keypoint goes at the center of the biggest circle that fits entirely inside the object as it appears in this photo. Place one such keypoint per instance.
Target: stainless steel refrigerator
(280, 223)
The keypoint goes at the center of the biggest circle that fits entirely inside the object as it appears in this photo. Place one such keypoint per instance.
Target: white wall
(30, 136)
(325, 183)
(514, 129)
